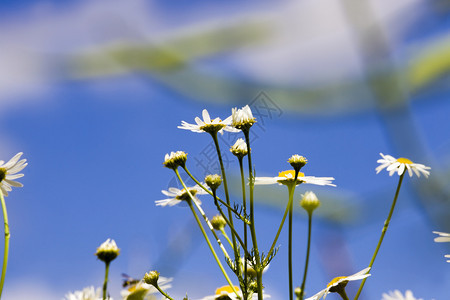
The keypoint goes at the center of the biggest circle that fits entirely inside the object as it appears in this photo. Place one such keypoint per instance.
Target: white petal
(206, 117)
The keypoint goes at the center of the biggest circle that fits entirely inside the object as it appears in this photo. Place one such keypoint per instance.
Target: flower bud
(175, 160)
(309, 202)
(297, 162)
(151, 278)
(107, 251)
(239, 149)
(218, 222)
(213, 181)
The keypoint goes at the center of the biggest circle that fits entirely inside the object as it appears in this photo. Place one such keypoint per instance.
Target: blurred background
(93, 91)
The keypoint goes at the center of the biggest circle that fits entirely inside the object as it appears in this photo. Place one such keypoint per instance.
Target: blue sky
(95, 146)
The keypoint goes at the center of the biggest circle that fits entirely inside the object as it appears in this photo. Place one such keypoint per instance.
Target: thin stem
(343, 294)
(227, 196)
(308, 247)
(209, 192)
(383, 232)
(224, 233)
(205, 235)
(244, 204)
(291, 284)
(162, 292)
(7, 236)
(105, 283)
(291, 199)
(252, 216)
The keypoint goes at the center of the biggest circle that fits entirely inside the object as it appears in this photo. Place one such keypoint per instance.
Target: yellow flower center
(335, 280)
(403, 160)
(226, 288)
(185, 196)
(292, 174)
(2, 174)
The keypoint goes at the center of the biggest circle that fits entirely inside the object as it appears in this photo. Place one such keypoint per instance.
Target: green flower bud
(175, 160)
(213, 181)
(218, 222)
(309, 202)
(151, 278)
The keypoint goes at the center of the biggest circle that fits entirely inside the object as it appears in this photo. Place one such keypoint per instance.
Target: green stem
(383, 232)
(227, 197)
(343, 294)
(244, 204)
(105, 283)
(7, 236)
(291, 284)
(224, 233)
(308, 247)
(252, 216)
(205, 235)
(162, 292)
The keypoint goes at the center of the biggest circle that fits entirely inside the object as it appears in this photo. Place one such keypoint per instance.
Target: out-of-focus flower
(178, 195)
(442, 238)
(309, 202)
(226, 293)
(340, 282)
(208, 125)
(287, 177)
(397, 295)
(8, 172)
(107, 251)
(88, 293)
(399, 165)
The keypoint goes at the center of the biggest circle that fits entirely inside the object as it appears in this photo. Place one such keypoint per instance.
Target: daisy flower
(177, 195)
(88, 293)
(239, 148)
(107, 251)
(8, 172)
(208, 125)
(340, 283)
(399, 165)
(142, 290)
(397, 295)
(287, 177)
(242, 118)
(443, 237)
(226, 293)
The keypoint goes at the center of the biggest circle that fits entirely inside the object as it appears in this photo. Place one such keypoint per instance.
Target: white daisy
(343, 280)
(397, 295)
(239, 148)
(178, 195)
(175, 159)
(242, 117)
(142, 290)
(401, 164)
(208, 125)
(443, 237)
(88, 293)
(107, 251)
(226, 293)
(287, 177)
(9, 171)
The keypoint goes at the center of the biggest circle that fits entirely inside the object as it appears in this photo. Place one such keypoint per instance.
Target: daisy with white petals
(242, 118)
(399, 165)
(287, 177)
(8, 172)
(442, 238)
(397, 295)
(208, 125)
(338, 284)
(177, 195)
(226, 293)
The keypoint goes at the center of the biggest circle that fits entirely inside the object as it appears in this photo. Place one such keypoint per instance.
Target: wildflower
(151, 278)
(242, 118)
(401, 164)
(226, 293)
(309, 202)
(107, 251)
(443, 237)
(338, 284)
(297, 161)
(8, 172)
(175, 160)
(218, 222)
(239, 148)
(287, 177)
(178, 195)
(88, 293)
(213, 181)
(141, 290)
(208, 125)
(397, 295)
